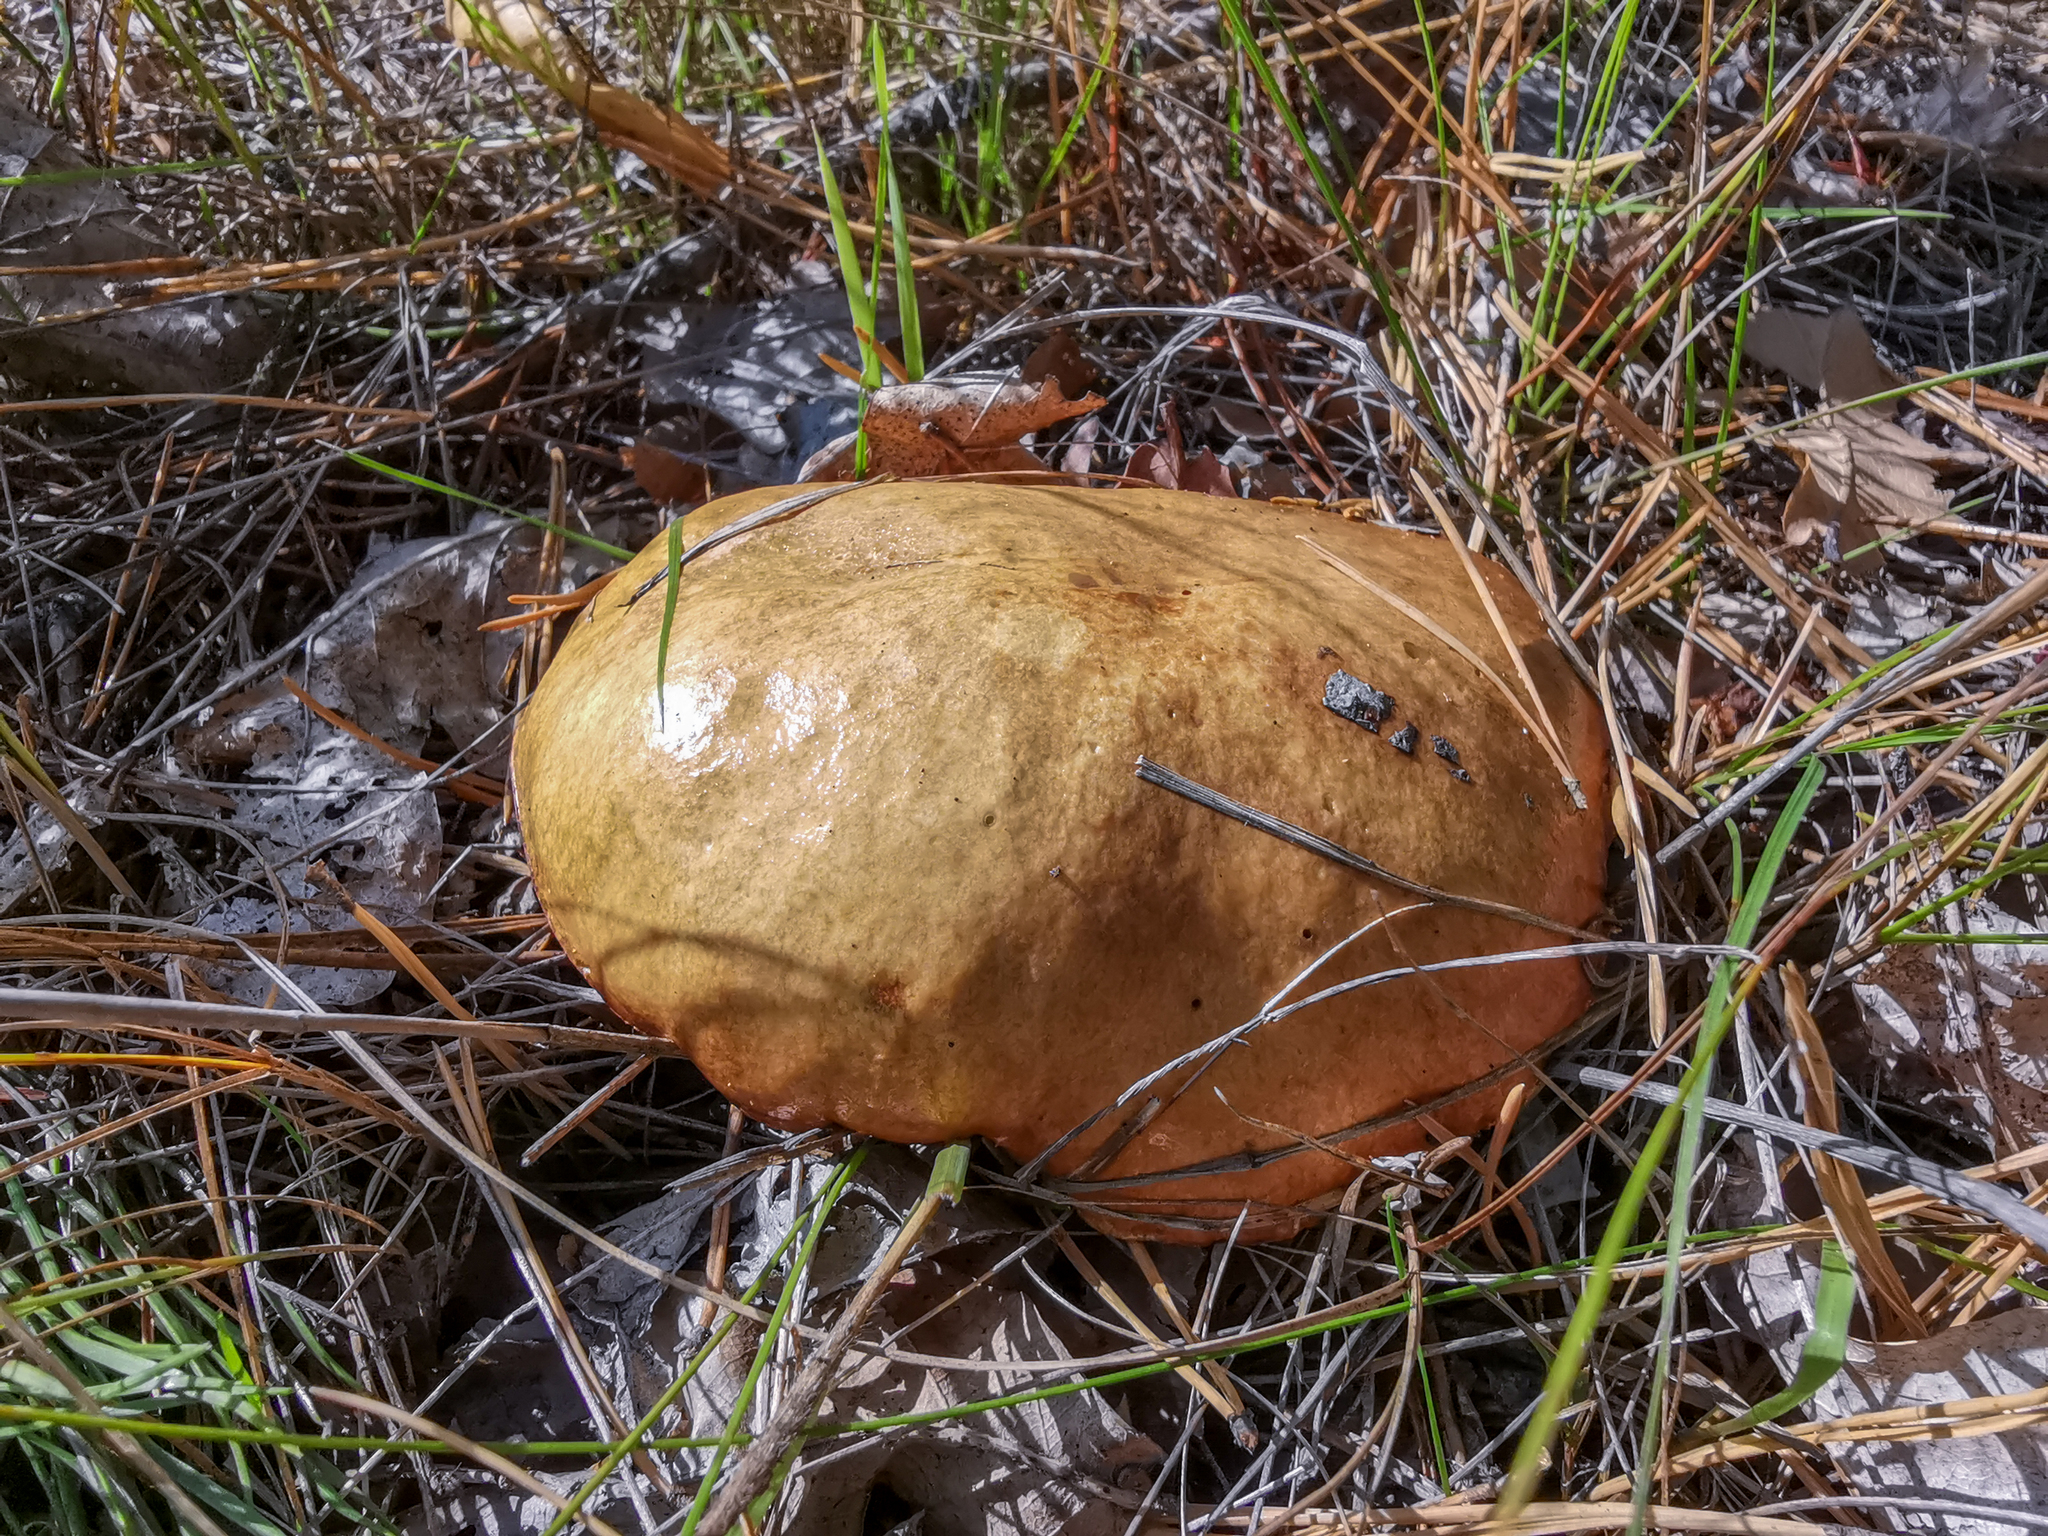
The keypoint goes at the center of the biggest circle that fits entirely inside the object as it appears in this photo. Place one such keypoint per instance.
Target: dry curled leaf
(1831, 353)
(1059, 358)
(1972, 1026)
(1958, 1432)
(1167, 465)
(1863, 474)
(68, 329)
(1271, 482)
(1971, 123)
(666, 475)
(1079, 459)
(524, 35)
(1159, 463)
(917, 430)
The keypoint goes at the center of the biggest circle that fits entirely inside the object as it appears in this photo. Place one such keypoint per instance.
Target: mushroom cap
(874, 853)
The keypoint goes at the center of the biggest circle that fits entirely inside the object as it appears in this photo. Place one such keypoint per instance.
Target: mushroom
(875, 852)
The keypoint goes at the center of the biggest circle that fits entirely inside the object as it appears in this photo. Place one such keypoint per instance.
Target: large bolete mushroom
(875, 852)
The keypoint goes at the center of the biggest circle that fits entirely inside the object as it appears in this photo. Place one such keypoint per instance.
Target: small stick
(97, 704)
(392, 413)
(473, 787)
(551, 552)
(1841, 1190)
(1507, 640)
(1680, 757)
(1230, 1408)
(1780, 683)
(1301, 837)
(582, 1112)
(319, 874)
(1503, 1130)
(768, 1458)
(718, 1245)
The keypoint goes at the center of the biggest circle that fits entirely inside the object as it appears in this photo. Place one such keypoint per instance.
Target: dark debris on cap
(1357, 700)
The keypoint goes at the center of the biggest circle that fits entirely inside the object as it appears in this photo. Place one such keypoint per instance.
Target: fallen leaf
(1167, 465)
(1159, 463)
(1970, 107)
(1831, 353)
(1269, 482)
(524, 35)
(1976, 1474)
(57, 211)
(1059, 358)
(1969, 1028)
(53, 838)
(1862, 474)
(1044, 1466)
(2001, 1356)
(754, 368)
(1079, 459)
(400, 658)
(666, 475)
(1208, 474)
(1971, 124)
(1063, 1465)
(1246, 422)
(935, 428)
(1729, 708)
(1341, 411)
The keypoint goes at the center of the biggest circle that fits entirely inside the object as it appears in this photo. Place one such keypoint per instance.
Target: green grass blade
(899, 226)
(1825, 1351)
(425, 484)
(769, 1334)
(860, 303)
(637, 1436)
(1403, 1261)
(1075, 121)
(668, 619)
(427, 219)
(1716, 1018)
(1248, 43)
(860, 299)
(15, 1417)
(949, 1173)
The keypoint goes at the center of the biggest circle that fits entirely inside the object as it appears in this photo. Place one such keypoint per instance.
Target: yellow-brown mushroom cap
(875, 855)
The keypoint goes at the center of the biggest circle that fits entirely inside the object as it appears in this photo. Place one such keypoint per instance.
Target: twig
(1301, 837)
(776, 1447)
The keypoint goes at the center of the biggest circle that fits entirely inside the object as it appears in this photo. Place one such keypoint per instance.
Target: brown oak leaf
(1166, 463)
(1865, 475)
(1861, 474)
(942, 428)
(1159, 463)
(665, 475)
(1059, 358)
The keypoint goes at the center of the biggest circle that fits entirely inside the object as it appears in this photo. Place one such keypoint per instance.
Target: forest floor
(347, 346)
